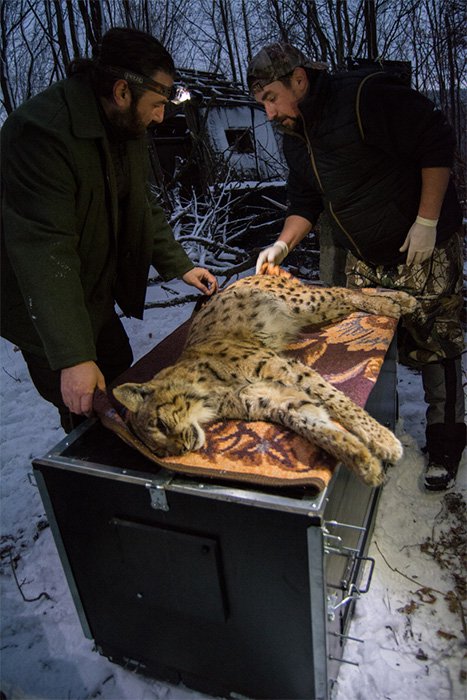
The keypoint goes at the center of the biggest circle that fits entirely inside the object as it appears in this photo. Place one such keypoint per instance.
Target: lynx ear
(132, 396)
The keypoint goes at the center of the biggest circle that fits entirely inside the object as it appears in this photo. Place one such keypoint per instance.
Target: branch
(420, 588)
(16, 379)
(19, 585)
(171, 302)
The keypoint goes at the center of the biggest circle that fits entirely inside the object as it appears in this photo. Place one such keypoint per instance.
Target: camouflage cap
(274, 62)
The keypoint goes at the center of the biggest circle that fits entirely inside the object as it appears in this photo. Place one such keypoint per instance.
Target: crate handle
(366, 588)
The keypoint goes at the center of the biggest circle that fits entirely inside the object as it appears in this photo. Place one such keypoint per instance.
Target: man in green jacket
(79, 226)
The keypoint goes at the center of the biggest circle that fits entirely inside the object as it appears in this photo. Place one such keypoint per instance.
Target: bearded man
(377, 156)
(80, 228)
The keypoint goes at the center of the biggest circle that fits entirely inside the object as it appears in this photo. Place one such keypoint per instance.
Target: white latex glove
(420, 240)
(275, 254)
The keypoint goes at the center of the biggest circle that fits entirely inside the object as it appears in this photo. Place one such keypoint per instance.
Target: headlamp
(182, 94)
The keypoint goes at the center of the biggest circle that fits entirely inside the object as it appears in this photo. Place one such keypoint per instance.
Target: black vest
(371, 197)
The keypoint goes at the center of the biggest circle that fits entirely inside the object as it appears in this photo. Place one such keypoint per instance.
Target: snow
(46, 655)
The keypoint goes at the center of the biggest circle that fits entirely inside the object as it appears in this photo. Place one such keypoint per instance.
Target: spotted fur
(232, 367)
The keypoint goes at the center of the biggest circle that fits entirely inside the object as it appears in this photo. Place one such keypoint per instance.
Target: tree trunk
(61, 36)
(4, 72)
(72, 28)
(225, 27)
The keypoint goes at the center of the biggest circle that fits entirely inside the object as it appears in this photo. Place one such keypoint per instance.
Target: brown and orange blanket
(349, 354)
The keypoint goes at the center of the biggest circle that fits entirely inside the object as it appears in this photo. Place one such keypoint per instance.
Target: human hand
(275, 254)
(201, 279)
(77, 385)
(420, 241)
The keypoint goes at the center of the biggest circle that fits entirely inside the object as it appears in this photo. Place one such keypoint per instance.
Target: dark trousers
(444, 393)
(114, 356)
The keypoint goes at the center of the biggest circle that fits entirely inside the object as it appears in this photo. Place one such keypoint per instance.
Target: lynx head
(166, 420)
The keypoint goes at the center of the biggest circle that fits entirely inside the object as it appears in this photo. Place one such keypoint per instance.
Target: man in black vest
(377, 157)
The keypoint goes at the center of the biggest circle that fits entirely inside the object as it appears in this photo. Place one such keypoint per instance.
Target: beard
(291, 125)
(127, 125)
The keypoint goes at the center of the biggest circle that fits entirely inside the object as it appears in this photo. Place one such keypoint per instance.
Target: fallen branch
(16, 379)
(19, 585)
(430, 588)
(171, 302)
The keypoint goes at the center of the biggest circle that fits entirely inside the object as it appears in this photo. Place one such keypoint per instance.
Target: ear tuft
(132, 396)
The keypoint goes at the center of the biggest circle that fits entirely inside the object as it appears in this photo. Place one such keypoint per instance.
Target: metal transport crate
(232, 590)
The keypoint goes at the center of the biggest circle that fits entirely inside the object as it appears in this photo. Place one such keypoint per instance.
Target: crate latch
(158, 494)
(333, 604)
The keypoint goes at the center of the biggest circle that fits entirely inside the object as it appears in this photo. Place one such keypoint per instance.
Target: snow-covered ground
(413, 636)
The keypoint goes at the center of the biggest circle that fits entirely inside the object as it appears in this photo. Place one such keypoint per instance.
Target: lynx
(232, 368)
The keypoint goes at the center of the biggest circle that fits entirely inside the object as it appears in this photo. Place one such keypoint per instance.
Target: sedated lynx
(231, 367)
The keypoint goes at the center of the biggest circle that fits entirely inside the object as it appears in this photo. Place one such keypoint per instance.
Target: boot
(445, 444)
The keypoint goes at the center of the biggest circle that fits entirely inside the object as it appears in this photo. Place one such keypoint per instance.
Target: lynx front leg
(294, 410)
(294, 373)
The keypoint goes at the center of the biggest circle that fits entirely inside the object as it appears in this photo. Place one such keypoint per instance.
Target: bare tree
(38, 38)
(5, 36)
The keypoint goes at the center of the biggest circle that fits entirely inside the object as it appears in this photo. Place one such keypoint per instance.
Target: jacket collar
(85, 116)
(312, 104)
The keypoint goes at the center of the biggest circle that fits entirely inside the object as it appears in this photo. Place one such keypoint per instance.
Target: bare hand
(77, 385)
(201, 279)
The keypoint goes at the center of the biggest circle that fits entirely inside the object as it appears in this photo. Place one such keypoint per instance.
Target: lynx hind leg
(384, 302)
(381, 441)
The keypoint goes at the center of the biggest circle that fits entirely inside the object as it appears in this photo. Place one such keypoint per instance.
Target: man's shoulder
(44, 100)
(44, 109)
(357, 78)
(371, 88)
(66, 108)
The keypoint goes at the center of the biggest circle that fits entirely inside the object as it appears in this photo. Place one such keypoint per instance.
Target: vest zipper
(315, 170)
(344, 231)
(312, 158)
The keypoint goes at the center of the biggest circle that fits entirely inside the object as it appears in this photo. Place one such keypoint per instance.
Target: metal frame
(335, 527)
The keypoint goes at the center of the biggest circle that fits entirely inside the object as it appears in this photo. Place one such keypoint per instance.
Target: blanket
(349, 354)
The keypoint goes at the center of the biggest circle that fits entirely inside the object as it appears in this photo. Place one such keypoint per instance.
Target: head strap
(142, 81)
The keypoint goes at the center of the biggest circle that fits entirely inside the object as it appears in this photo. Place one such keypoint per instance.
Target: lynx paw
(389, 449)
(371, 472)
(407, 302)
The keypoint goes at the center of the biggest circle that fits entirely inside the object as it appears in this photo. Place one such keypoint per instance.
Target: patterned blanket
(349, 354)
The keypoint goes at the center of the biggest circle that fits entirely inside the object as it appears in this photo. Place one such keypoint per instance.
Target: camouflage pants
(434, 331)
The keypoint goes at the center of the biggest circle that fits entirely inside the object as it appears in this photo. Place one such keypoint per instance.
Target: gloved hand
(275, 254)
(420, 240)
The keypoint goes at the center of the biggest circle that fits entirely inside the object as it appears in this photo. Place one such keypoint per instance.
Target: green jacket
(63, 265)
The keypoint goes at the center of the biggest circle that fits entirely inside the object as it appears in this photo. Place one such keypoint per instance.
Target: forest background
(39, 39)
(413, 647)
